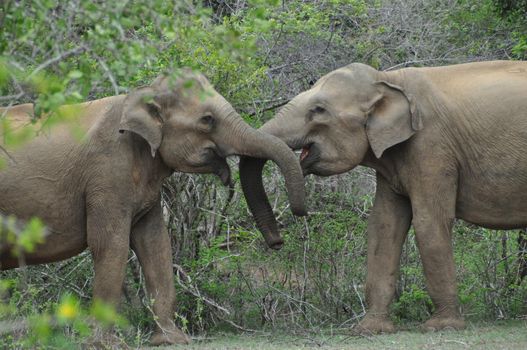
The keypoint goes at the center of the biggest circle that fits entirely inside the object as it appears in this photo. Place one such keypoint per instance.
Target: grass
(496, 335)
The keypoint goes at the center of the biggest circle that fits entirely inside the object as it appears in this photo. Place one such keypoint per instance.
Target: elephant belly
(501, 205)
(62, 212)
(56, 246)
(65, 236)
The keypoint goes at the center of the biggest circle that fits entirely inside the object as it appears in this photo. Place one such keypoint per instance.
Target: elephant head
(349, 114)
(192, 128)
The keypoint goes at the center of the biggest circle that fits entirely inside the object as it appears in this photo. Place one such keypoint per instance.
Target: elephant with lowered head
(103, 192)
(446, 142)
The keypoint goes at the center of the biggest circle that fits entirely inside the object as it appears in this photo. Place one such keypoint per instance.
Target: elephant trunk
(255, 147)
(254, 192)
(252, 185)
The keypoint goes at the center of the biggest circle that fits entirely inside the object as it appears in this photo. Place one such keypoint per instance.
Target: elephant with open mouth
(103, 192)
(446, 142)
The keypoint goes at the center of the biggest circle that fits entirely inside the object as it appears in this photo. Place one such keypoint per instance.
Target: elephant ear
(393, 118)
(142, 116)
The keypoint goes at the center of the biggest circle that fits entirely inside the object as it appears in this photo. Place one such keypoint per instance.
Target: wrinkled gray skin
(103, 193)
(446, 142)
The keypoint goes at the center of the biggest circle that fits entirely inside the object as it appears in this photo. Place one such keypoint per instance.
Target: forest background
(258, 54)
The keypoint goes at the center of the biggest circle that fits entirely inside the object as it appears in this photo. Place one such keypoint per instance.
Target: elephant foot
(375, 325)
(167, 337)
(444, 322)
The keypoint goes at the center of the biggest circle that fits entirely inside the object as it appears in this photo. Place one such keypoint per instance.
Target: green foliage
(122, 46)
(21, 238)
(414, 304)
(511, 7)
(520, 49)
(497, 17)
(47, 330)
(30, 236)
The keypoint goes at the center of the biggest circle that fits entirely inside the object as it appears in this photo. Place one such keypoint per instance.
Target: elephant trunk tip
(299, 210)
(297, 199)
(276, 244)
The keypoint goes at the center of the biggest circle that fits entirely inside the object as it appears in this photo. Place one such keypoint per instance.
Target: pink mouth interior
(305, 153)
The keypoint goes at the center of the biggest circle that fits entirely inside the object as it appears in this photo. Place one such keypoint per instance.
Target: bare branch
(56, 59)
(108, 72)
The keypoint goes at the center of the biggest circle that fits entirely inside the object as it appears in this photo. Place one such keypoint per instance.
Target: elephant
(445, 142)
(102, 191)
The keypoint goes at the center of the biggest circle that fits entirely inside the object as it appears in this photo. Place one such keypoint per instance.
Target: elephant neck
(386, 166)
(147, 170)
(397, 77)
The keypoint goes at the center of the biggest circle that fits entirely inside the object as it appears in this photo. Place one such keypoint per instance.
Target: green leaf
(31, 235)
(75, 74)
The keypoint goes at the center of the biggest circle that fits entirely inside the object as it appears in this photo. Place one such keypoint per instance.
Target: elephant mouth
(305, 152)
(309, 155)
(219, 165)
(224, 173)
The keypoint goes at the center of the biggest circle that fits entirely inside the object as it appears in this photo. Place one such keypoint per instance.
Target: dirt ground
(496, 335)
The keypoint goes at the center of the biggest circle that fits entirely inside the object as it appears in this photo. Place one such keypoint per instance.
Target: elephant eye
(317, 110)
(207, 120)
(154, 110)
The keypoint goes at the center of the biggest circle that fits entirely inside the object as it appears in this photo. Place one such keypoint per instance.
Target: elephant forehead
(181, 122)
(198, 98)
(189, 103)
(335, 92)
(185, 78)
(184, 93)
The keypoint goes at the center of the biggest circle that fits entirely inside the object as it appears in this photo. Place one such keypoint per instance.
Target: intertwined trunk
(256, 147)
(251, 169)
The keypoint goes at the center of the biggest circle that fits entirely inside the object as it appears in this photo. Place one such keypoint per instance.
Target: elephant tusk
(305, 153)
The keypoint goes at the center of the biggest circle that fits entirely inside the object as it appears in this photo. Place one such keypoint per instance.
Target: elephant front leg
(108, 240)
(151, 242)
(108, 237)
(387, 229)
(434, 215)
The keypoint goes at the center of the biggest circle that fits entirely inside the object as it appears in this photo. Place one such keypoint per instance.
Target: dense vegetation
(258, 54)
